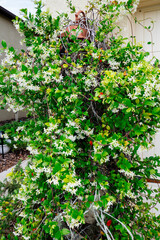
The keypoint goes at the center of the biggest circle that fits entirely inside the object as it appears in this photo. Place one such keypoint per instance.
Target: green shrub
(95, 103)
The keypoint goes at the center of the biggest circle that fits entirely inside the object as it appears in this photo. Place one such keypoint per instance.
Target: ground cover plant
(94, 103)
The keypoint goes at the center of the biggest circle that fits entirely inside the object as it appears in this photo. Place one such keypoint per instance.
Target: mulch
(12, 158)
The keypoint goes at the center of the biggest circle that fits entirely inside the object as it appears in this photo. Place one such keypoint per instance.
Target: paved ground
(3, 175)
(12, 158)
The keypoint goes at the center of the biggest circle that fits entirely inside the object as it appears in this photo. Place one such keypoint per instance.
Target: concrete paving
(3, 175)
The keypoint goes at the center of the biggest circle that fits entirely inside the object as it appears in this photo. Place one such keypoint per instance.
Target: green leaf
(150, 103)
(24, 68)
(57, 168)
(65, 231)
(24, 10)
(35, 69)
(127, 102)
(11, 49)
(4, 44)
(152, 171)
(156, 110)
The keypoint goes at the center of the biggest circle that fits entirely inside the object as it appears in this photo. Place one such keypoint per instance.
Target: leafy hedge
(95, 103)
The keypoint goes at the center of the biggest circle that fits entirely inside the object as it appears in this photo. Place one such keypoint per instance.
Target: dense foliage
(94, 103)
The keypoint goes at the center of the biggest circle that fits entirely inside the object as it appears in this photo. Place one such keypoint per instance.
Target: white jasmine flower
(137, 90)
(5, 136)
(113, 64)
(32, 151)
(115, 110)
(95, 55)
(72, 138)
(128, 174)
(25, 237)
(16, 138)
(71, 222)
(20, 129)
(16, 233)
(53, 180)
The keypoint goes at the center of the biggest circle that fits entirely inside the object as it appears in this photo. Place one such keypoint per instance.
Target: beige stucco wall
(9, 34)
(60, 6)
(148, 3)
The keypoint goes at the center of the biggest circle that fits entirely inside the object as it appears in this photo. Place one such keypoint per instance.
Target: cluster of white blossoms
(22, 214)
(104, 159)
(20, 129)
(26, 139)
(62, 148)
(23, 83)
(26, 237)
(53, 180)
(5, 135)
(130, 194)
(72, 185)
(72, 97)
(97, 148)
(13, 106)
(32, 150)
(22, 197)
(115, 110)
(147, 88)
(90, 81)
(77, 69)
(114, 64)
(39, 170)
(59, 144)
(95, 55)
(125, 149)
(50, 128)
(16, 138)
(72, 222)
(137, 91)
(18, 230)
(128, 174)
(109, 204)
(8, 59)
(72, 138)
(59, 79)
(114, 144)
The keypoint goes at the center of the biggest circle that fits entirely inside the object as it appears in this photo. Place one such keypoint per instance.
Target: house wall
(9, 34)
(148, 3)
(148, 14)
(60, 6)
